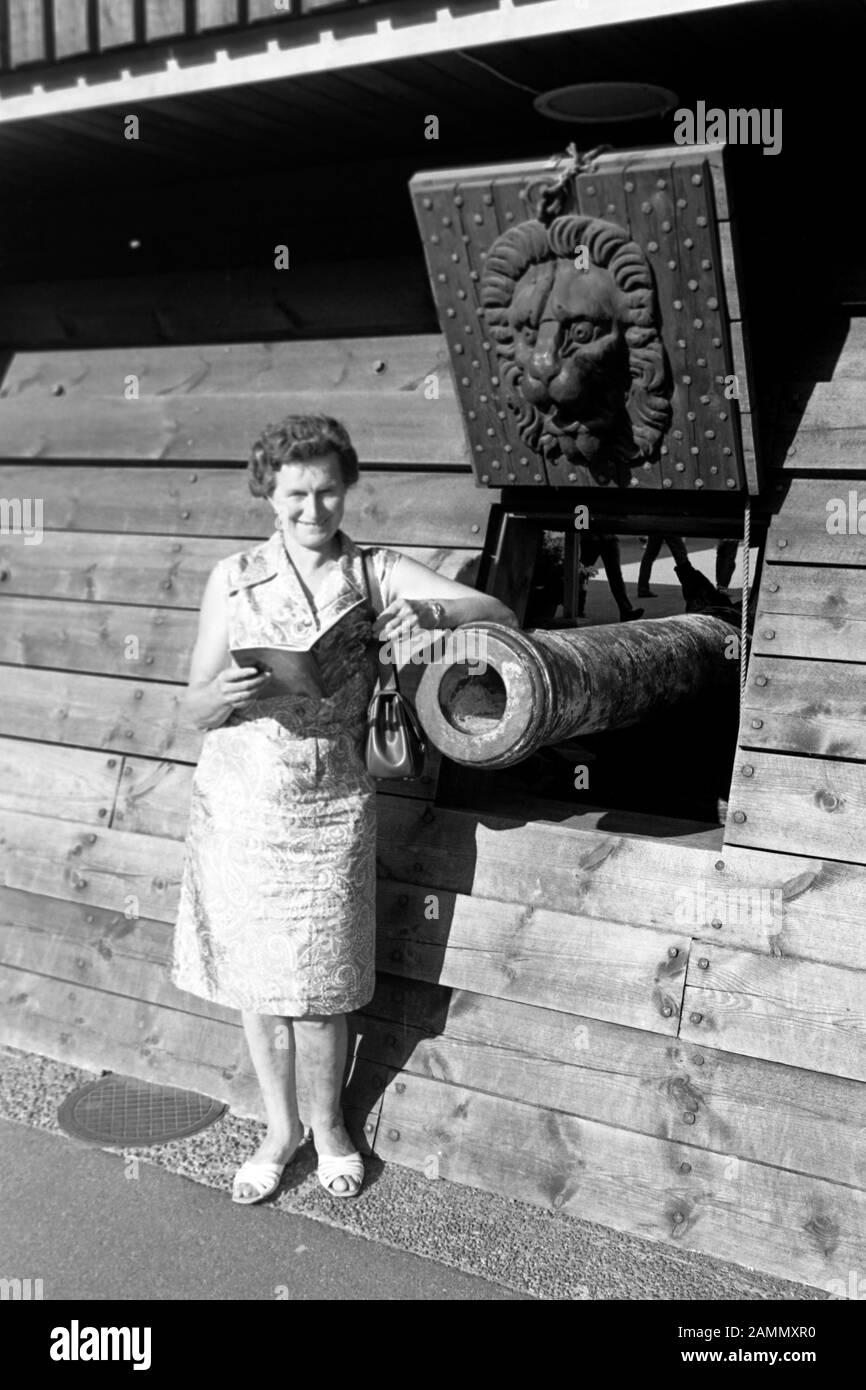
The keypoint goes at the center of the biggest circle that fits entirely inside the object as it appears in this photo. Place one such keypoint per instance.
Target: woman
(277, 904)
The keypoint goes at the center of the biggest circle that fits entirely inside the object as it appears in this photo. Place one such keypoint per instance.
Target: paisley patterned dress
(277, 899)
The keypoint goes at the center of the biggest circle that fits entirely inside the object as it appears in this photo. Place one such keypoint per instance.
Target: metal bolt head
(685, 1167)
(698, 1061)
(748, 771)
(739, 817)
(678, 1218)
(769, 633)
(704, 963)
(781, 544)
(757, 723)
(760, 680)
(696, 1018)
(717, 923)
(394, 1135)
(673, 951)
(688, 1117)
(667, 1011)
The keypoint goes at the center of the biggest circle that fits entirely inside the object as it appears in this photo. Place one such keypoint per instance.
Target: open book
(293, 673)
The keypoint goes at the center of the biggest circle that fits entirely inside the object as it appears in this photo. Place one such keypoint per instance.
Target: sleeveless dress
(277, 910)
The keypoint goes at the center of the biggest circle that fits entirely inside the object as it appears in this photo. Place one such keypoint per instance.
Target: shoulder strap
(371, 582)
(375, 605)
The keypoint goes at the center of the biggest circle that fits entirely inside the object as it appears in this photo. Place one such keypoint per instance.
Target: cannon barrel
(533, 688)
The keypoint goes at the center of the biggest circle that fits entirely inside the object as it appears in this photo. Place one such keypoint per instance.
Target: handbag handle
(387, 670)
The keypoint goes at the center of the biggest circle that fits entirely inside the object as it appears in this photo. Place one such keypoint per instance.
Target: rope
(553, 195)
(744, 607)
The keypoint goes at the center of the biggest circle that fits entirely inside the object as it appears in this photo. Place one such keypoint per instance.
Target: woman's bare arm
(216, 686)
(416, 587)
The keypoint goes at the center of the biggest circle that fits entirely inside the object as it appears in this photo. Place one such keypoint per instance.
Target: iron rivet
(693, 284)
(678, 303)
(739, 817)
(720, 863)
(701, 221)
(681, 203)
(704, 963)
(712, 303)
(723, 414)
(688, 1117)
(730, 482)
(688, 242)
(475, 528)
(773, 588)
(757, 723)
(831, 801)
(678, 1218)
(629, 186)
(717, 923)
(394, 1135)
(685, 1167)
(660, 183)
(698, 323)
(400, 1087)
(781, 544)
(761, 680)
(769, 633)
(696, 1018)
(687, 381)
(667, 1011)
(748, 771)
(673, 951)
(652, 246)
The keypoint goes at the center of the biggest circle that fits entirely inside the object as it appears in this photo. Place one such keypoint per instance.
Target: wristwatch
(438, 613)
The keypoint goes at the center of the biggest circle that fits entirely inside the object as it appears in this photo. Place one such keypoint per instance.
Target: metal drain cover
(119, 1110)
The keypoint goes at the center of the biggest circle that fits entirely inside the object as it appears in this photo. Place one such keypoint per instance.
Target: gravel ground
(546, 1255)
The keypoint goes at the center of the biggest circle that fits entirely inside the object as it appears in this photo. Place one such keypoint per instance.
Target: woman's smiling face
(308, 501)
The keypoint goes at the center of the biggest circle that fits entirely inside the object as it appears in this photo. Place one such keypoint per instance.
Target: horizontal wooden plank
(814, 806)
(378, 366)
(401, 508)
(154, 570)
(48, 779)
(816, 639)
(91, 711)
(791, 1011)
(327, 299)
(398, 429)
(799, 532)
(833, 450)
(140, 643)
(778, 1221)
(576, 964)
(824, 591)
(825, 405)
(805, 707)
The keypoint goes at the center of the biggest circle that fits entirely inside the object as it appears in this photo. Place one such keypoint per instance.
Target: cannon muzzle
(534, 688)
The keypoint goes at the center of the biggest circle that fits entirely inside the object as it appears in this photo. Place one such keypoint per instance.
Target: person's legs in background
(650, 555)
(726, 563)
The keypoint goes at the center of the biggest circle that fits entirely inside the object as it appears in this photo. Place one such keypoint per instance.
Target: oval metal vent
(119, 1110)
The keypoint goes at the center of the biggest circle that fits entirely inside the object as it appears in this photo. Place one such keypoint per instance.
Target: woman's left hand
(404, 617)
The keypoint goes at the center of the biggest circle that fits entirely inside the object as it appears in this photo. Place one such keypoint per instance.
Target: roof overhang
(310, 45)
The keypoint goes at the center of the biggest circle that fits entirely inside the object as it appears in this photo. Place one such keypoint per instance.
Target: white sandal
(264, 1177)
(347, 1166)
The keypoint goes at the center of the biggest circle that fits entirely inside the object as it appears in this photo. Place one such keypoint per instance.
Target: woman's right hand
(238, 686)
(210, 703)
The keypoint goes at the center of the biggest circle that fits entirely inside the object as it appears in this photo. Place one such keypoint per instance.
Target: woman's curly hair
(298, 439)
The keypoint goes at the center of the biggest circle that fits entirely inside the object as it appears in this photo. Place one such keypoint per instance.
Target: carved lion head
(577, 330)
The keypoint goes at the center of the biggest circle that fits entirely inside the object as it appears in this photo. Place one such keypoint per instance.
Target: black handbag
(395, 742)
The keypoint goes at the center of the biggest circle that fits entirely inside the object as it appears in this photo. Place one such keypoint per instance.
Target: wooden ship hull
(653, 1022)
